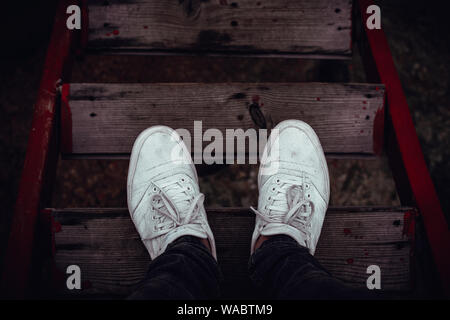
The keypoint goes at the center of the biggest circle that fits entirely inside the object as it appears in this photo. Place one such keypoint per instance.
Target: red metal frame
(39, 156)
(411, 163)
(66, 120)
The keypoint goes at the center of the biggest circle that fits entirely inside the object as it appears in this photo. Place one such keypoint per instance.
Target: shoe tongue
(178, 197)
(293, 196)
(175, 192)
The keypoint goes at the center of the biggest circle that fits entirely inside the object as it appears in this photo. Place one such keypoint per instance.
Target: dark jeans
(280, 267)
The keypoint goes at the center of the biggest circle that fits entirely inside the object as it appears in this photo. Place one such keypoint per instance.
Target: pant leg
(186, 270)
(285, 270)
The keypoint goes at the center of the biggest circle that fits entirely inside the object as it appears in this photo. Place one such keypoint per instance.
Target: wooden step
(107, 248)
(103, 120)
(319, 28)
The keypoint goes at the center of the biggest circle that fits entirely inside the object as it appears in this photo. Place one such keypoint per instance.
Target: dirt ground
(417, 34)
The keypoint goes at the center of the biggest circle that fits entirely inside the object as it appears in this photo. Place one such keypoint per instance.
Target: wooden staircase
(101, 120)
(105, 245)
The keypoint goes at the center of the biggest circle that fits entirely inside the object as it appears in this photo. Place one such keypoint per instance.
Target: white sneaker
(163, 195)
(293, 199)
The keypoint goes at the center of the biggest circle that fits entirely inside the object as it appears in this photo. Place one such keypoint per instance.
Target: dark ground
(418, 33)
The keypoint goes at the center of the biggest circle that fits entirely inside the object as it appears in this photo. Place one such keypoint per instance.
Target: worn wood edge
(370, 85)
(244, 211)
(219, 54)
(329, 90)
(126, 156)
(399, 249)
(189, 16)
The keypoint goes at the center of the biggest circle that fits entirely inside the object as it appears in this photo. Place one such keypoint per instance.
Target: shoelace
(165, 202)
(289, 196)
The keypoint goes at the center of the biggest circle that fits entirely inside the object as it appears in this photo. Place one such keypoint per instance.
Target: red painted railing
(18, 258)
(411, 158)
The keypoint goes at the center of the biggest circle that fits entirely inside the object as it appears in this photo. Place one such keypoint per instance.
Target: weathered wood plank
(288, 27)
(104, 243)
(106, 118)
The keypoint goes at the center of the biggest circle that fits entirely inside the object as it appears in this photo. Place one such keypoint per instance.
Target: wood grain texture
(106, 118)
(104, 243)
(292, 27)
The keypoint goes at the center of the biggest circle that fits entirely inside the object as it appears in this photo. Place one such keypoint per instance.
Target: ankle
(261, 240)
(206, 243)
